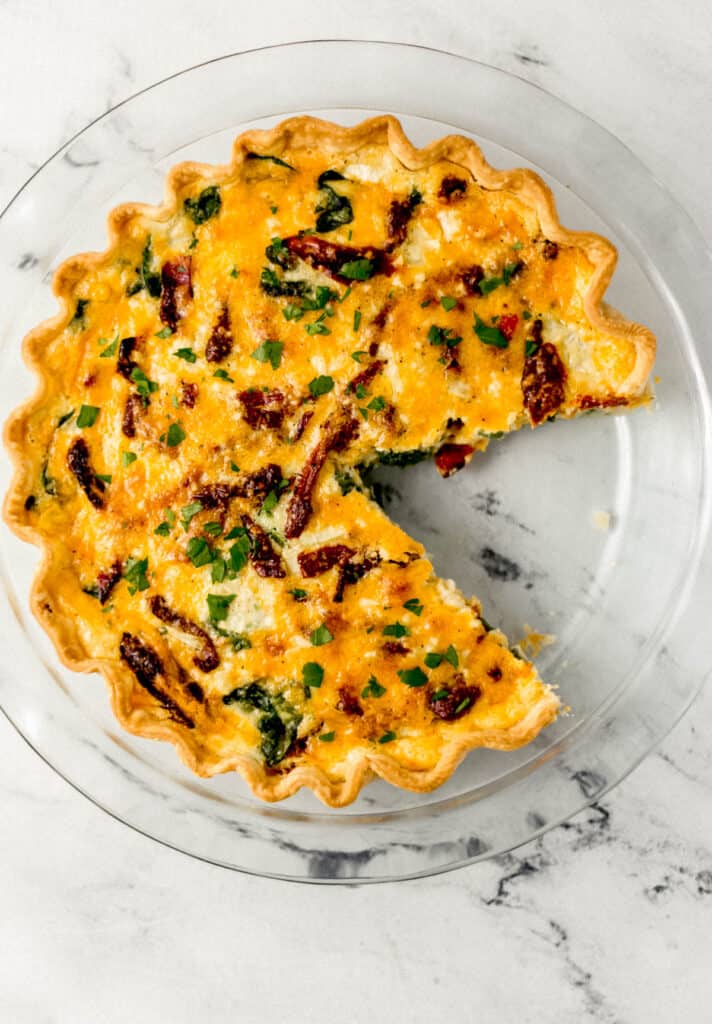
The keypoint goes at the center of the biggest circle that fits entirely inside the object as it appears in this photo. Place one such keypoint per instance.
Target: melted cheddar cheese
(214, 393)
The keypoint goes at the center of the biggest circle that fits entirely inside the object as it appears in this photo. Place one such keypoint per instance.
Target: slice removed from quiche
(215, 388)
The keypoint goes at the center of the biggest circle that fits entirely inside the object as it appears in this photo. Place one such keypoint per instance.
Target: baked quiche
(214, 391)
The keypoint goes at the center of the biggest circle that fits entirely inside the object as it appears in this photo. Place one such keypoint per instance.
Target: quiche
(215, 390)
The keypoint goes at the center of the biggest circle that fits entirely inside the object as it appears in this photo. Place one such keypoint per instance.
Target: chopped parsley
(464, 703)
(357, 355)
(111, 348)
(199, 552)
(106, 477)
(377, 404)
(373, 688)
(292, 311)
(224, 375)
(219, 605)
(144, 386)
(317, 328)
(489, 335)
(298, 594)
(164, 333)
(186, 353)
(358, 270)
(88, 415)
(413, 605)
(526, 315)
(451, 656)
(213, 529)
(135, 571)
(387, 737)
(448, 303)
(357, 320)
(188, 511)
(163, 529)
(269, 352)
(321, 385)
(413, 676)
(443, 336)
(207, 205)
(321, 636)
(433, 659)
(312, 674)
(234, 272)
(128, 457)
(396, 629)
(489, 284)
(239, 553)
(327, 737)
(175, 435)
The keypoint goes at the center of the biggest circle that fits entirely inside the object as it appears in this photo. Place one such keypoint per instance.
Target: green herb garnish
(199, 552)
(175, 435)
(321, 636)
(413, 605)
(373, 688)
(489, 335)
(88, 415)
(312, 674)
(186, 353)
(269, 352)
(321, 385)
(219, 605)
(207, 205)
(135, 571)
(413, 676)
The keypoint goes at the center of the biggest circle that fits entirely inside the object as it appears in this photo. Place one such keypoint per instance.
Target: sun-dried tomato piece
(331, 258)
(107, 580)
(264, 410)
(315, 563)
(453, 700)
(219, 344)
(207, 658)
(299, 509)
(543, 377)
(452, 457)
(188, 394)
(452, 187)
(366, 376)
(177, 291)
(348, 702)
(125, 365)
(265, 560)
(508, 325)
(146, 667)
(132, 413)
(79, 465)
(471, 279)
(550, 250)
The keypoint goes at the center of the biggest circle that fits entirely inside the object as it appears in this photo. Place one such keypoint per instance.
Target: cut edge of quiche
(134, 706)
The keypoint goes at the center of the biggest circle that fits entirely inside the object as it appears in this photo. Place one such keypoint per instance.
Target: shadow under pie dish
(214, 391)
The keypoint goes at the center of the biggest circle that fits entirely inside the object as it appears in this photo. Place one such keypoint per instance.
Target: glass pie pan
(592, 531)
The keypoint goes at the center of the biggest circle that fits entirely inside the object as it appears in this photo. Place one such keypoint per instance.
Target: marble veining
(606, 918)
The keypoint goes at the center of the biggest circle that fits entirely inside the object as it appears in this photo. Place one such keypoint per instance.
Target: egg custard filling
(214, 391)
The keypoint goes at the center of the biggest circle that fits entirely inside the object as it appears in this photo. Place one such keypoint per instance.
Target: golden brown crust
(363, 763)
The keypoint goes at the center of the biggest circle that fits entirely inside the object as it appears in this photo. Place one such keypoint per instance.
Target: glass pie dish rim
(700, 541)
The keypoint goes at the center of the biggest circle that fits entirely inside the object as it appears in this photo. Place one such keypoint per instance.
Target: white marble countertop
(607, 918)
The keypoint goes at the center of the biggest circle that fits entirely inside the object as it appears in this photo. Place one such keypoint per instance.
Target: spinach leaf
(272, 159)
(207, 205)
(333, 209)
(278, 721)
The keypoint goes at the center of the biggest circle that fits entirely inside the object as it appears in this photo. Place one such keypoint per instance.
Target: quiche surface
(214, 390)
